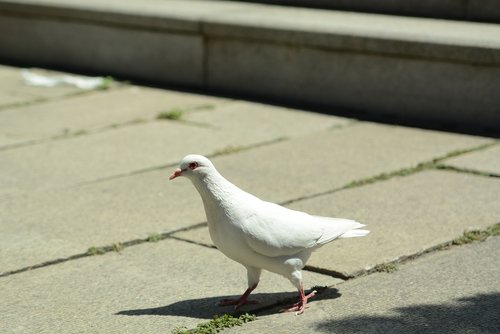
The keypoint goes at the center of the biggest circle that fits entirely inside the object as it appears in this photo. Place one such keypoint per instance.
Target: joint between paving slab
(41, 100)
(191, 242)
(466, 171)
(483, 235)
(116, 247)
(426, 165)
(467, 237)
(81, 132)
(216, 153)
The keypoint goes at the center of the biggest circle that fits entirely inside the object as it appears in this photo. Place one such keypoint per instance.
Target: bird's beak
(177, 172)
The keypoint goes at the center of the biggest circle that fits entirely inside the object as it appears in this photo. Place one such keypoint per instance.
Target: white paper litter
(34, 79)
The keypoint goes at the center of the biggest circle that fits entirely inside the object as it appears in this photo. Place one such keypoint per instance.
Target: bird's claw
(300, 306)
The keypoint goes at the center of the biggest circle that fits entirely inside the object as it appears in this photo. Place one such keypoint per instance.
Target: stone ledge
(437, 70)
(331, 30)
(470, 10)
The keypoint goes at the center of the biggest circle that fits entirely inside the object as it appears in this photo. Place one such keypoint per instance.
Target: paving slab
(98, 110)
(326, 160)
(486, 161)
(42, 225)
(249, 118)
(453, 291)
(405, 215)
(14, 91)
(152, 288)
(120, 151)
(95, 156)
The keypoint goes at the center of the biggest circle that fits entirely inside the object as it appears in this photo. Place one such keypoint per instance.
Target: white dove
(259, 234)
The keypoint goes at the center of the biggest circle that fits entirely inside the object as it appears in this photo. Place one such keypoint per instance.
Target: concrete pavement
(84, 170)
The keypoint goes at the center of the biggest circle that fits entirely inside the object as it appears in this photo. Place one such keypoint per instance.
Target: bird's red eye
(193, 165)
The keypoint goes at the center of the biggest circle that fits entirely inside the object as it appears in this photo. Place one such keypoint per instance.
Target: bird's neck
(214, 186)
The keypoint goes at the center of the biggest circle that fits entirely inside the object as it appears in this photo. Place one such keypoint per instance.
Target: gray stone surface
(13, 91)
(347, 31)
(58, 197)
(174, 15)
(167, 57)
(405, 216)
(43, 224)
(250, 119)
(453, 291)
(128, 149)
(328, 160)
(38, 227)
(147, 288)
(250, 20)
(94, 111)
(480, 10)
(486, 161)
(95, 156)
(447, 93)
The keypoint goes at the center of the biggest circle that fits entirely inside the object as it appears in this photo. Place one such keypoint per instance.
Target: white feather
(260, 234)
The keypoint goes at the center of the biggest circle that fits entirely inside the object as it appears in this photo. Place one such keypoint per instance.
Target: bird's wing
(275, 231)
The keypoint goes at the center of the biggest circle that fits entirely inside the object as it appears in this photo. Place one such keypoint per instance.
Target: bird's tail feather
(339, 228)
(354, 233)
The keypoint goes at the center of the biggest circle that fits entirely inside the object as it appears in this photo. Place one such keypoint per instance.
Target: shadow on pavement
(477, 314)
(206, 308)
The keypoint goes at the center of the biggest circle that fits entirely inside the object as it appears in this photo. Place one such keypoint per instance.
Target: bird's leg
(253, 275)
(300, 306)
(240, 301)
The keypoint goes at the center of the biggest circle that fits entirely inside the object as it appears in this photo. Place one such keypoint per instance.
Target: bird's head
(192, 165)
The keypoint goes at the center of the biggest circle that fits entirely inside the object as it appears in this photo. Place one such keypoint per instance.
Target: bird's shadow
(206, 308)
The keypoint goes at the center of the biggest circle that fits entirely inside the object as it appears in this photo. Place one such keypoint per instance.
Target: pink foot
(300, 306)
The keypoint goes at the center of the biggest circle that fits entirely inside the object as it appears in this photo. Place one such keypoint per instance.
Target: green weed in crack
(172, 114)
(477, 235)
(95, 251)
(386, 268)
(217, 324)
(154, 237)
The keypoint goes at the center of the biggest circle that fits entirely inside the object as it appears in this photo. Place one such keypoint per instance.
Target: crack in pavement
(426, 165)
(174, 164)
(103, 250)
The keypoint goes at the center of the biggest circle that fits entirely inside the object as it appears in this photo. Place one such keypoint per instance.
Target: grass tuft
(117, 247)
(386, 268)
(217, 324)
(80, 132)
(477, 235)
(106, 83)
(153, 237)
(95, 251)
(228, 150)
(494, 230)
(172, 114)
(207, 106)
